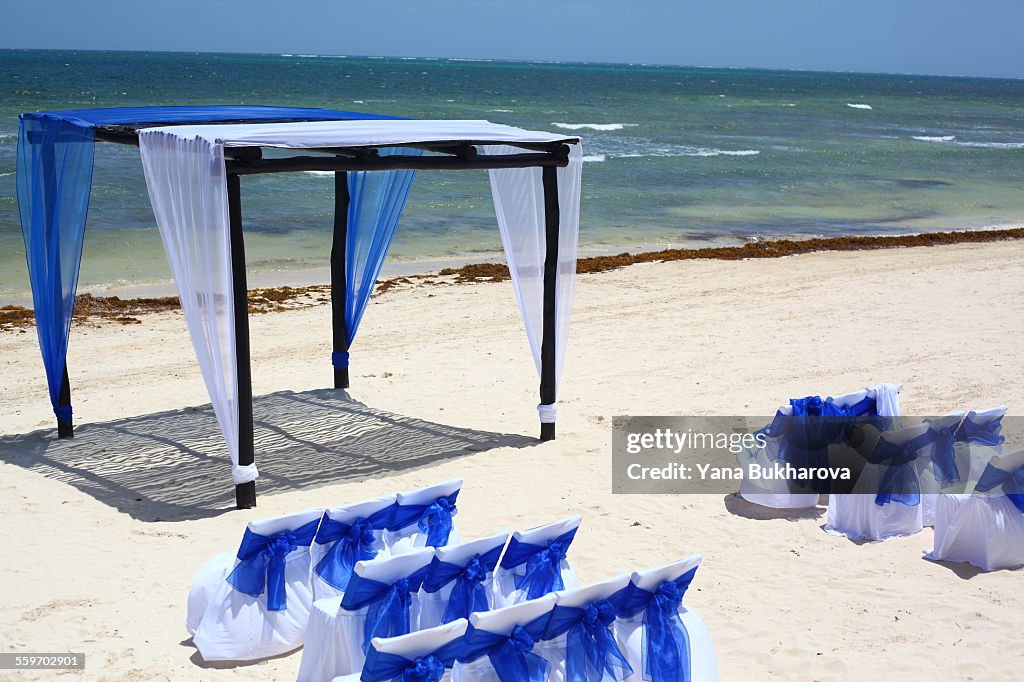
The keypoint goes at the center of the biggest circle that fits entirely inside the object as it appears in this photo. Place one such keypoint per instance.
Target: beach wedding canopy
(193, 159)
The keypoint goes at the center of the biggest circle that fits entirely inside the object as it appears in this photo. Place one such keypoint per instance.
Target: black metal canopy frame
(447, 155)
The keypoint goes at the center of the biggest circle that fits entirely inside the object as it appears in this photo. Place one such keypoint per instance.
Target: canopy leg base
(65, 429)
(341, 377)
(245, 495)
(547, 431)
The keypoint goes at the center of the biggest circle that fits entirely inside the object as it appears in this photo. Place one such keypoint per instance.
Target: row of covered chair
(627, 628)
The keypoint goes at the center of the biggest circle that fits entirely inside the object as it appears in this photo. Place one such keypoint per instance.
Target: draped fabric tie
(986, 433)
(261, 563)
(590, 651)
(380, 667)
(666, 645)
(339, 359)
(1012, 483)
(944, 455)
(388, 605)
(468, 594)
(543, 564)
(353, 542)
(434, 519)
(899, 482)
(514, 660)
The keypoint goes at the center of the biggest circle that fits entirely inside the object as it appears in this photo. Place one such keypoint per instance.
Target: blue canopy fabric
(54, 180)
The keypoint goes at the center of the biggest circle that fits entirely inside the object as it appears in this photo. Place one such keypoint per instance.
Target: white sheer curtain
(188, 189)
(519, 204)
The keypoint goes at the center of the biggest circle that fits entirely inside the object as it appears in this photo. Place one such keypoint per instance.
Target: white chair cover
(629, 629)
(330, 577)
(413, 506)
(887, 399)
(480, 557)
(929, 468)
(773, 493)
(985, 529)
(974, 452)
(601, 597)
(335, 635)
(475, 665)
(858, 515)
(539, 552)
(390, 658)
(229, 624)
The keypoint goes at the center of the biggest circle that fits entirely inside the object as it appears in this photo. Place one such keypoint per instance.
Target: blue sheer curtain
(376, 199)
(54, 166)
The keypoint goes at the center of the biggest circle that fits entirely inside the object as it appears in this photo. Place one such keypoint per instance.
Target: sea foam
(934, 138)
(858, 106)
(595, 126)
(593, 158)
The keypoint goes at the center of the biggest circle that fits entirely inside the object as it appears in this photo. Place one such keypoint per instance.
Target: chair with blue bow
(985, 528)
(423, 656)
(381, 601)
(664, 640)
(534, 563)
(460, 580)
(423, 518)
(937, 468)
(886, 501)
(347, 535)
(254, 603)
(503, 645)
(581, 637)
(978, 440)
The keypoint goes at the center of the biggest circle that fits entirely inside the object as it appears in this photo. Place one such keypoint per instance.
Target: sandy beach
(89, 568)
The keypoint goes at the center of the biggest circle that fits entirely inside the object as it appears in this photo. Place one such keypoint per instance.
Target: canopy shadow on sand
(174, 466)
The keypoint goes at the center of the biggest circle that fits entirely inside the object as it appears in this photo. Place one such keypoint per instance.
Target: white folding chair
(506, 640)
(460, 580)
(254, 604)
(422, 655)
(347, 535)
(978, 440)
(985, 528)
(381, 593)
(883, 504)
(581, 628)
(671, 643)
(423, 518)
(936, 468)
(534, 563)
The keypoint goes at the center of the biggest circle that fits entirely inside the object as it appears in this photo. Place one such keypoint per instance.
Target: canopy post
(65, 429)
(549, 178)
(339, 281)
(245, 493)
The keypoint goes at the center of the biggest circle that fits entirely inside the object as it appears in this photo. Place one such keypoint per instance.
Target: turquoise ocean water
(674, 156)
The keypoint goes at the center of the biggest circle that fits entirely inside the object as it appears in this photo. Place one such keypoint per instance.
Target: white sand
(783, 600)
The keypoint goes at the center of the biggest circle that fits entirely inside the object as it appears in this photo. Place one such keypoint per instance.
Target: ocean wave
(501, 111)
(595, 126)
(703, 152)
(992, 145)
(320, 173)
(858, 106)
(4, 175)
(934, 138)
(4, 137)
(593, 158)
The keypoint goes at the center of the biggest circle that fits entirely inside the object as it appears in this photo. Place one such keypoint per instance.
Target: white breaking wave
(593, 158)
(4, 175)
(595, 126)
(320, 173)
(993, 145)
(690, 151)
(935, 138)
(858, 106)
(501, 111)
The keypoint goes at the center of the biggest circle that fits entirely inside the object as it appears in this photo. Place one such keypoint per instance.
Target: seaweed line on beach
(90, 308)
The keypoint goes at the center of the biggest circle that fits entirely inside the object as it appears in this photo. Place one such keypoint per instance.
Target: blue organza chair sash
(353, 542)
(1012, 483)
(387, 604)
(944, 454)
(468, 594)
(261, 563)
(543, 564)
(425, 668)
(434, 519)
(511, 655)
(986, 433)
(590, 648)
(899, 481)
(666, 645)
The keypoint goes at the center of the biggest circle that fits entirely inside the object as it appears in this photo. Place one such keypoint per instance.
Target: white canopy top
(312, 134)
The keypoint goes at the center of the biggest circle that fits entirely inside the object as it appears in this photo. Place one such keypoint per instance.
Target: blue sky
(947, 37)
